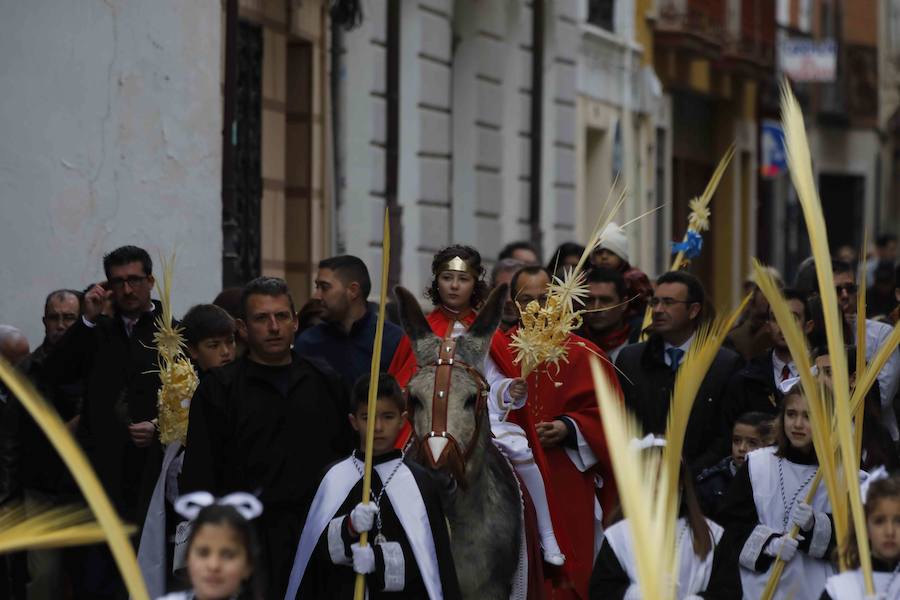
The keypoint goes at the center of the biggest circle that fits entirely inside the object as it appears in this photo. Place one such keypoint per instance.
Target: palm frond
(800, 165)
(707, 342)
(50, 527)
(860, 349)
(48, 419)
(637, 476)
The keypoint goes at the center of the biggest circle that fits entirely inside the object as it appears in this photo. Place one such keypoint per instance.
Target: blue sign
(773, 158)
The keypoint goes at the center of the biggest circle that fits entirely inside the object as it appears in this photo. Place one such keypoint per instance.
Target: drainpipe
(537, 122)
(230, 234)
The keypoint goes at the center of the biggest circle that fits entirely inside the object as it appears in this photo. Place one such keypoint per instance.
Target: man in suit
(647, 370)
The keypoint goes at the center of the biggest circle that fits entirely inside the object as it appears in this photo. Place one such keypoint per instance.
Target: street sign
(805, 60)
(773, 160)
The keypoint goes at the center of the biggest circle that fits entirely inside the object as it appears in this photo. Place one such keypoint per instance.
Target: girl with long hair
(766, 499)
(882, 505)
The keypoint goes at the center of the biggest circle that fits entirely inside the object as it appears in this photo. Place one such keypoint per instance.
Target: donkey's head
(447, 397)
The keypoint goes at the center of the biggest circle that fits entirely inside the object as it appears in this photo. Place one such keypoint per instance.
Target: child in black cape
(408, 552)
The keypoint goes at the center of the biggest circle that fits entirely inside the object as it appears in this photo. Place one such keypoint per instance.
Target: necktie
(785, 373)
(675, 355)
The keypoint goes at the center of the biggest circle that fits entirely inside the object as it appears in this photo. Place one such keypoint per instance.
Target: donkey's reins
(443, 372)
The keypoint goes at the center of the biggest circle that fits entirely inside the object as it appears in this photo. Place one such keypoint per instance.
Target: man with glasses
(115, 357)
(647, 370)
(268, 423)
(877, 334)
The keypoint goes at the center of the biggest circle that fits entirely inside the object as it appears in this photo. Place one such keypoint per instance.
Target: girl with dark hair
(223, 555)
(458, 288)
(615, 572)
(881, 496)
(766, 499)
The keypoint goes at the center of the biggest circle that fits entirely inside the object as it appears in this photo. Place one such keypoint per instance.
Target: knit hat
(614, 240)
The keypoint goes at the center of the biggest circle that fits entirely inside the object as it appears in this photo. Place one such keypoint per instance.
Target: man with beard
(268, 423)
(876, 336)
(607, 324)
(647, 370)
(347, 337)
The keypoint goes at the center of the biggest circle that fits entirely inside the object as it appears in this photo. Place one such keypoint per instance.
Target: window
(600, 13)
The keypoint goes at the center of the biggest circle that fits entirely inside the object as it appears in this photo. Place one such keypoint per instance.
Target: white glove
(693, 597)
(363, 516)
(783, 545)
(632, 593)
(802, 516)
(363, 558)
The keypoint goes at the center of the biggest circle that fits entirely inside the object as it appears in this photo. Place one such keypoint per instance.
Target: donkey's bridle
(440, 398)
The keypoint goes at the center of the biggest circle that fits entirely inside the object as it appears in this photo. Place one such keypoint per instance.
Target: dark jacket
(712, 484)
(647, 383)
(350, 354)
(41, 467)
(269, 431)
(753, 389)
(120, 387)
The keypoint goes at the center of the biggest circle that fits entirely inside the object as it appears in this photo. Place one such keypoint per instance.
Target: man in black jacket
(115, 358)
(268, 423)
(755, 388)
(647, 370)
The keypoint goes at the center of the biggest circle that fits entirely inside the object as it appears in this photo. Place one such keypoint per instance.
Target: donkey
(447, 403)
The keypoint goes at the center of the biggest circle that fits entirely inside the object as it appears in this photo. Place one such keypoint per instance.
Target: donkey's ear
(411, 317)
(489, 316)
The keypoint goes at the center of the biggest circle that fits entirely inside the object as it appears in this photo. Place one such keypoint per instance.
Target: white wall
(110, 121)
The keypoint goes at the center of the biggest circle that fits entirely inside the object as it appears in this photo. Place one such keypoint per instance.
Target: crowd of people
(262, 498)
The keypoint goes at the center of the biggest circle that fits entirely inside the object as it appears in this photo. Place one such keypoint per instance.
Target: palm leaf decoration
(176, 373)
(542, 337)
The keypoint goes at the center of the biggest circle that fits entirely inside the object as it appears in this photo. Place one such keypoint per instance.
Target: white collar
(684, 347)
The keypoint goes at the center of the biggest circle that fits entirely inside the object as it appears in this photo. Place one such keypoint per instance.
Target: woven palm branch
(639, 475)
(800, 165)
(543, 336)
(176, 373)
(116, 533)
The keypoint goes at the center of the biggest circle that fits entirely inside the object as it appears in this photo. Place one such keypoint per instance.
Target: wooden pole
(359, 590)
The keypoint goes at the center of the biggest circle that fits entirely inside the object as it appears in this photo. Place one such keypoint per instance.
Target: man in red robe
(563, 407)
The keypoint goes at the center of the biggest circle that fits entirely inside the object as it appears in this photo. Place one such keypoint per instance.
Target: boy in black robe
(408, 552)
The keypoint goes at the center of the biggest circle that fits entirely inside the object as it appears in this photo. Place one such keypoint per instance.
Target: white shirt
(778, 366)
(683, 347)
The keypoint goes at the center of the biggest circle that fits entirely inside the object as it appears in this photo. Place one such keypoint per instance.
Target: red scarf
(611, 340)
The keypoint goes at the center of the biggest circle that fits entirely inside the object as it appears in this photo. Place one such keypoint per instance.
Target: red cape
(570, 392)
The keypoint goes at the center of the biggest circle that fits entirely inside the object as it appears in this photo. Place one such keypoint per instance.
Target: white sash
(405, 497)
(803, 577)
(693, 573)
(849, 585)
(151, 554)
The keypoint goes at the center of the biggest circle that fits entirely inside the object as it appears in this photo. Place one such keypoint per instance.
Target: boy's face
(389, 420)
(213, 352)
(744, 439)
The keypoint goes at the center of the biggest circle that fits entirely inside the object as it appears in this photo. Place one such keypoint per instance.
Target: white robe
(804, 576)
(693, 572)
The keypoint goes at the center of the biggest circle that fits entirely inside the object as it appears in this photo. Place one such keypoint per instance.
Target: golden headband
(459, 265)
